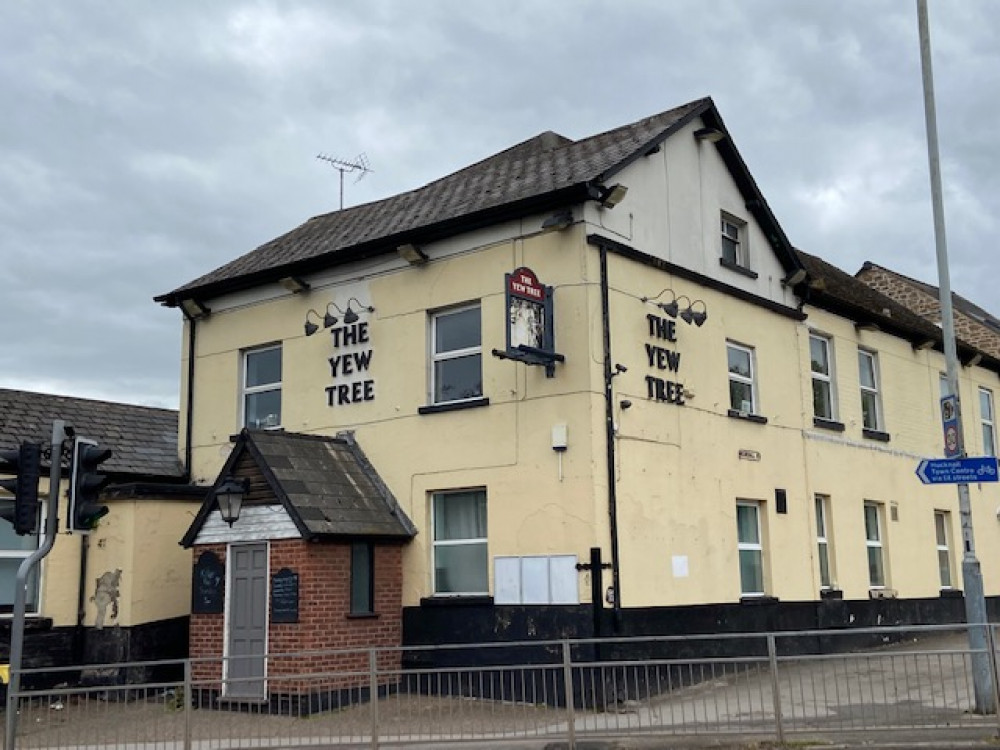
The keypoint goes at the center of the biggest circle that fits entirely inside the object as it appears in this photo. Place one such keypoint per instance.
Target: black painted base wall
(48, 646)
(479, 623)
(597, 687)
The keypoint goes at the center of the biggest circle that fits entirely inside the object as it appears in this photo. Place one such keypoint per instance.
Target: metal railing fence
(807, 684)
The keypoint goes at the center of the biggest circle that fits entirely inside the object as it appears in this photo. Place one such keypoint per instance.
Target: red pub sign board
(530, 335)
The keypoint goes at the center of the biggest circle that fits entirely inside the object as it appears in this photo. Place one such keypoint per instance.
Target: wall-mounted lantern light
(689, 314)
(229, 496)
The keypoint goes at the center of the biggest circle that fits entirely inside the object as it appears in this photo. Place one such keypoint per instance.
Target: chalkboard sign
(208, 586)
(285, 596)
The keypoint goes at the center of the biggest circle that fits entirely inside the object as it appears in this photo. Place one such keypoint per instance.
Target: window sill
(752, 599)
(458, 600)
(882, 437)
(743, 270)
(453, 406)
(362, 615)
(831, 594)
(755, 418)
(828, 424)
(952, 593)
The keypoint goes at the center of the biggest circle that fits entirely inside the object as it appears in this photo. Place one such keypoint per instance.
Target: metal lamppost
(972, 578)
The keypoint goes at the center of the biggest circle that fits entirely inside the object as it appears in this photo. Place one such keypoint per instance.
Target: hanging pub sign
(530, 330)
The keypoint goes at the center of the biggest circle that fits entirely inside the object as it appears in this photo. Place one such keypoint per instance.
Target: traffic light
(25, 463)
(85, 485)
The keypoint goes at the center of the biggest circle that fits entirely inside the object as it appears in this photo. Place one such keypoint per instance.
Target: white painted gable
(256, 523)
(676, 197)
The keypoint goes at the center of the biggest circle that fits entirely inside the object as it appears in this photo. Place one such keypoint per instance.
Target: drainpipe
(609, 429)
(189, 406)
(81, 594)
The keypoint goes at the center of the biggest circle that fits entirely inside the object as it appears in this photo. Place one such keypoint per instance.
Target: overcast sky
(143, 144)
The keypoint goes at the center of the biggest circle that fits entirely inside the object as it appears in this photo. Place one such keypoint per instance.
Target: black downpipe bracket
(609, 428)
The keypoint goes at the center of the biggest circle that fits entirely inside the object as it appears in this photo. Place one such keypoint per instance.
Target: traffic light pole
(59, 435)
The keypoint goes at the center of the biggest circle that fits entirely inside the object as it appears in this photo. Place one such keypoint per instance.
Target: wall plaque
(208, 586)
(285, 596)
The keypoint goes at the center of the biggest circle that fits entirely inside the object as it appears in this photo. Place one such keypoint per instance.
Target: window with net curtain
(460, 558)
(13, 550)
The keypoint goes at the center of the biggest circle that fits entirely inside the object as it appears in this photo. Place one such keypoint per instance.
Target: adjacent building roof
(326, 484)
(973, 325)
(542, 173)
(143, 440)
(832, 289)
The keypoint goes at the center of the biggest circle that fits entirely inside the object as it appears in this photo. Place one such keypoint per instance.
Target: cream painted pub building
(577, 370)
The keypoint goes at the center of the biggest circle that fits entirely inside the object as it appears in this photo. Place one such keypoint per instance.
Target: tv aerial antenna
(361, 165)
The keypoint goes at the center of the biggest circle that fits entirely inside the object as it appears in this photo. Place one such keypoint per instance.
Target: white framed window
(13, 550)
(824, 551)
(734, 245)
(751, 548)
(942, 536)
(460, 561)
(262, 388)
(821, 365)
(456, 355)
(987, 422)
(742, 378)
(874, 545)
(871, 400)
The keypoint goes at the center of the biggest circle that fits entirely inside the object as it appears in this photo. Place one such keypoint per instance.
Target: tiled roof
(543, 167)
(326, 484)
(843, 293)
(973, 325)
(143, 439)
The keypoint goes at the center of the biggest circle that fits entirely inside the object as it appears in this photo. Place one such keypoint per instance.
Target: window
(988, 422)
(262, 388)
(13, 550)
(742, 389)
(457, 372)
(734, 251)
(873, 540)
(750, 549)
(942, 522)
(362, 578)
(460, 562)
(823, 542)
(871, 409)
(822, 377)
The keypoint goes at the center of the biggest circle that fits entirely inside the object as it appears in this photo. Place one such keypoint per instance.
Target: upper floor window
(988, 422)
(262, 388)
(821, 364)
(734, 244)
(456, 367)
(742, 379)
(871, 404)
(459, 531)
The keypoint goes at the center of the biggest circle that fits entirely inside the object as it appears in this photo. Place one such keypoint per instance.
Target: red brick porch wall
(325, 623)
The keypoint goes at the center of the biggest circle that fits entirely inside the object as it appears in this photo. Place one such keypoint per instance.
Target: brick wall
(327, 638)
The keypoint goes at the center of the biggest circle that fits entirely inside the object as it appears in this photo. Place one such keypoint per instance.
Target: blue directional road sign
(958, 470)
